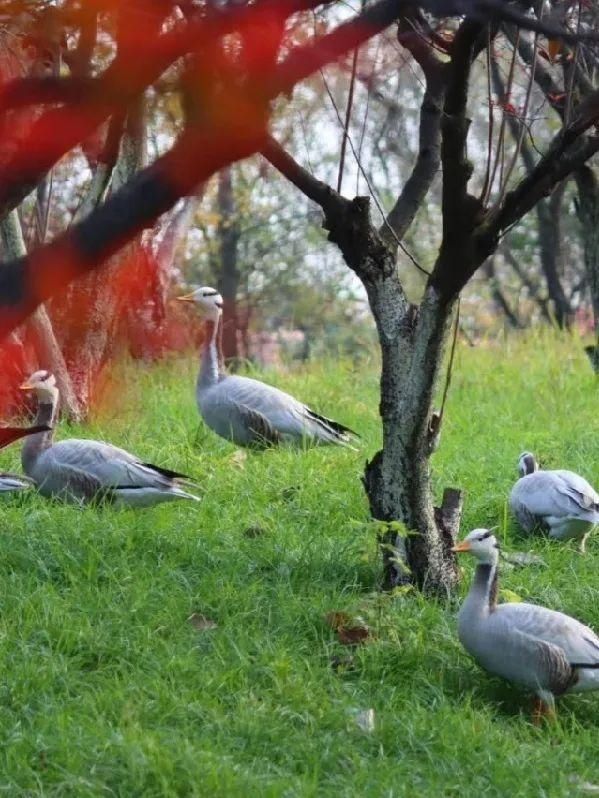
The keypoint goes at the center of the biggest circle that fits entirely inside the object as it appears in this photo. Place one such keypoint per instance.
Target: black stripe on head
(487, 534)
(209, 293)
(44, 375)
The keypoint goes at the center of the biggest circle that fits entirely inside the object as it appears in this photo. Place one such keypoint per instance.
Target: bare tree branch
(427, 163)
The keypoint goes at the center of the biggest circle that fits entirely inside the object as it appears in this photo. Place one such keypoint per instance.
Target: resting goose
(560, 501)
(83, 470)
(246, 411)
(10, 483)
(547, 651)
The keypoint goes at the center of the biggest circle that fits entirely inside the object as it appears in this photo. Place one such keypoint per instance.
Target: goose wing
(578, 642)
(107, 465)
(260, 431)
(73, 482)
(283, 412)
(548, 493)
(578, 490)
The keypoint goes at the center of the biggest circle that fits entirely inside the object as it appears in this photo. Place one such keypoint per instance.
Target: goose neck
(210, 366)
(482, 598)
(34, 445)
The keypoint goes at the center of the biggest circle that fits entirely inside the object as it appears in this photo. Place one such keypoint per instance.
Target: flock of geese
(543, 650)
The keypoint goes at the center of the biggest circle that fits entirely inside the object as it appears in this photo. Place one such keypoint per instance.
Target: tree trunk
(228, 271)
(549, 238)
(587, 180)
(397, 479)
(48, 352)
(416, 549)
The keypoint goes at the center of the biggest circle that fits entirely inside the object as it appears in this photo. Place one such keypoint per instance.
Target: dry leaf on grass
(201, 623)
(238, 458)
(353, 635)
(349, 632)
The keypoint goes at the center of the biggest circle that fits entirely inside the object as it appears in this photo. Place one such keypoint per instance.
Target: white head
(43, 385)
(482, 544)
(527, 464)
(209, 301)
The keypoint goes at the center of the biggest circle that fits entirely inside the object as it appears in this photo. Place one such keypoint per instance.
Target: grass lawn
(108, 689)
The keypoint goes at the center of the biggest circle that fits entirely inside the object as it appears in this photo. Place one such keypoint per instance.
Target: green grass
(108, 690)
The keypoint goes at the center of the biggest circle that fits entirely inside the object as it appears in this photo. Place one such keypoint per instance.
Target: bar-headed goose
(547, 651)
(10, 483)
(83, 470)
(246, 411)
(561, 502)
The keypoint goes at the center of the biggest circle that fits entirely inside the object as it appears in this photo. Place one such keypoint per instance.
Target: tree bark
(587, 181)
(228, 270)
(397, 479)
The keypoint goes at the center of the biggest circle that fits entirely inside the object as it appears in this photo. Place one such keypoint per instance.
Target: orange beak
(186, 298)
(25, 387)
(463, 546)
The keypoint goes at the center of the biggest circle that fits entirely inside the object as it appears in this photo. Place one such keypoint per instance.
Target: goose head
(482, 544)
(208, 300)
(43, 384)
(527, 464)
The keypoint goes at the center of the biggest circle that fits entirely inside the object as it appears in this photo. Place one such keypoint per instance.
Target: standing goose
(9, 483)
(246, 411)
(560, 501)
(82, 470)
(547, 651)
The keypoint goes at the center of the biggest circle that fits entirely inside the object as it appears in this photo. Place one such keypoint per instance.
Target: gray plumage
(561, 502)
(246, 411)
(544, 650)
(83, 470)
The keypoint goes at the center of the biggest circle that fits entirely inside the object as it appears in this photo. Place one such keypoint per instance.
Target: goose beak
(25, 387)
(186, 298)
(463, 546)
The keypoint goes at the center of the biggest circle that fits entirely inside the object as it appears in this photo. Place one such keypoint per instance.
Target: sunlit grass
(108, 689)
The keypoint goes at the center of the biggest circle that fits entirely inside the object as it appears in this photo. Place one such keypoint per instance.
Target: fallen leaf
(350, 631)
(238, 458)
(353, 635)
(201, 623)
